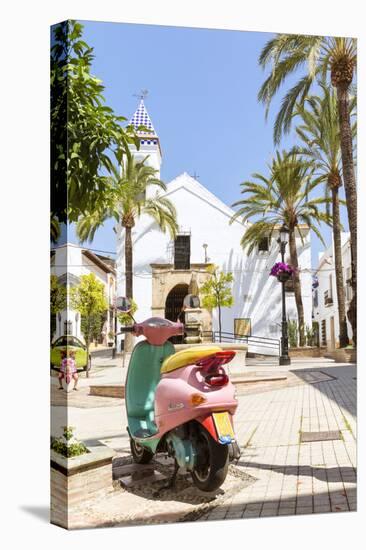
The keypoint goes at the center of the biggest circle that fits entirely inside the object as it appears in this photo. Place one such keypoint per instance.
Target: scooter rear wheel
(140, 454)
(212, 462)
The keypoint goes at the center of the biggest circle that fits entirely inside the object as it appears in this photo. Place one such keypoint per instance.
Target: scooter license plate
(223, 426)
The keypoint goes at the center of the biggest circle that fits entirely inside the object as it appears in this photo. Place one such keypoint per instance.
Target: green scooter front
(141, 383)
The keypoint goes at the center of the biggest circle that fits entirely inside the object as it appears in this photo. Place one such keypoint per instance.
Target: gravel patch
(152, 503)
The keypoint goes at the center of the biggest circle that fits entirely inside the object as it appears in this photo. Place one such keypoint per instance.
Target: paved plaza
(277, 474)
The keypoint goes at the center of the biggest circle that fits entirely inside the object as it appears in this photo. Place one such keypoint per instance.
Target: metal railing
(266, 344)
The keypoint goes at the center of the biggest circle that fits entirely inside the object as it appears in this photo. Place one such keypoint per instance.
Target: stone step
(108, 390)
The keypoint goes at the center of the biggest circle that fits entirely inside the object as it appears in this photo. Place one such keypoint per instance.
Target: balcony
(328, 298)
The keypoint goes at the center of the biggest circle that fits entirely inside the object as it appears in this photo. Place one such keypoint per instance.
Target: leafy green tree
(126, 199)
(58, 301)
(282, 198)
(126, 319)
(58, 295)
(88, 298)
(328, 59)
(85, 133)
(55, 229)
(293, 335)
(318, 129)
(216, 292)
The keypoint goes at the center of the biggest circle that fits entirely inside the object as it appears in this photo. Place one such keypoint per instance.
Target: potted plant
(282, 271)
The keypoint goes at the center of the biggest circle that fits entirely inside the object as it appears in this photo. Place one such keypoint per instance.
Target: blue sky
(202, 100)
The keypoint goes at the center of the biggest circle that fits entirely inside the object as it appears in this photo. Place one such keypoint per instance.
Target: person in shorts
(68, 369)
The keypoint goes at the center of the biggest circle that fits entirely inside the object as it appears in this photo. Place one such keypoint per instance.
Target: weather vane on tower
(142, 94)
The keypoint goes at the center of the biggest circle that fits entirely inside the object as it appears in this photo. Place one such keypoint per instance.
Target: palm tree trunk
(297, 287)
(129, 339)
(350, 190)
(343, 336)
(128, 263)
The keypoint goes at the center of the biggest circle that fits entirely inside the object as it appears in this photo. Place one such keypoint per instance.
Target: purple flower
(281, 267)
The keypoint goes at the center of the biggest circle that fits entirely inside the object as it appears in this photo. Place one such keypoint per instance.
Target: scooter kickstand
(174, 476)
(171, 482)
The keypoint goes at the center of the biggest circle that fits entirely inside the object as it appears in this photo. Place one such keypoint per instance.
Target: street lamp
(206, 257)
(284, 357)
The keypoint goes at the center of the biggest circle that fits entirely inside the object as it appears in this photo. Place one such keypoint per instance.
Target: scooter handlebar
(130, 328)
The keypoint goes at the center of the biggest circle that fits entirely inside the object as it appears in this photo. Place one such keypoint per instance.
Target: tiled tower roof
(141, 117)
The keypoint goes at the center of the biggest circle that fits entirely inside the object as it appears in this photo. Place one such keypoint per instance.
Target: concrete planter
(307, 352)
(342, 355)
(75, 480)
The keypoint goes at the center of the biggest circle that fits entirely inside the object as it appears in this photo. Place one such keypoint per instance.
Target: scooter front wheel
(140, 454)
(212, 462)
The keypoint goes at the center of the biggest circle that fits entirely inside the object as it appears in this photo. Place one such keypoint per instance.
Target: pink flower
(281, 267)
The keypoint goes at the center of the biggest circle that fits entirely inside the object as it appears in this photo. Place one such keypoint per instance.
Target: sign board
(242, 327)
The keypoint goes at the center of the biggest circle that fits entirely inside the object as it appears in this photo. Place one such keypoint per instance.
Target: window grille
(263, 245)
(182, 252)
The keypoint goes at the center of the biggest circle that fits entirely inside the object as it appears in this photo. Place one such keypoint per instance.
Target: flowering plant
(281, 267)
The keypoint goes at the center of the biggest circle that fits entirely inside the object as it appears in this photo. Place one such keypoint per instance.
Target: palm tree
(55, 229)
(282, 198)
(319, 133)
(126, 201)
(321, 57)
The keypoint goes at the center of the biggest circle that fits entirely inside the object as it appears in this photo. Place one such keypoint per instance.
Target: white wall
(323, 312)
(208, 220)
(69, 259)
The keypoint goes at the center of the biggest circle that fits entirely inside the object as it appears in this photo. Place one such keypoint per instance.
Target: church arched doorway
(174, 301)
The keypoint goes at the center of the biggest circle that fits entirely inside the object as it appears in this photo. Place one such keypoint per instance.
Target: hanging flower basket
(282, 271)
(283, 276)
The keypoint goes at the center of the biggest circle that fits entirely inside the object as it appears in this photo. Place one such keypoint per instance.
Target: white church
(165, 270)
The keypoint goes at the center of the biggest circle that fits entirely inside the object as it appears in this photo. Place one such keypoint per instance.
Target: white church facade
(164, 270)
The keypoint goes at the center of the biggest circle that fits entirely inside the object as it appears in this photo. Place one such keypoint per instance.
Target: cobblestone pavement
(296, 478)
(276, 474)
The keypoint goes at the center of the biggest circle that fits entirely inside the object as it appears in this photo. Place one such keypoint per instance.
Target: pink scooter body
(172, 398)
(172, 405)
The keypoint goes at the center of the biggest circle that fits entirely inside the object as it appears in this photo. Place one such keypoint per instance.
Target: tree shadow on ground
(332, 474)
(331, 388)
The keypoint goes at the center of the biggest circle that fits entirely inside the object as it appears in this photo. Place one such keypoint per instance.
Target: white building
(325, 302)
(164, 269)
(69, 262)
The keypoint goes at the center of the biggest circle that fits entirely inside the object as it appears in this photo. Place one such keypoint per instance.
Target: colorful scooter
(180, 403)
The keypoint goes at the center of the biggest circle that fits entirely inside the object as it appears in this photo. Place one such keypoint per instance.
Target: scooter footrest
(143, 433)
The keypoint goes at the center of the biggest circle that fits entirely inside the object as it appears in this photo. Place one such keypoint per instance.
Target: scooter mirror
(123, 304)
(191, 301)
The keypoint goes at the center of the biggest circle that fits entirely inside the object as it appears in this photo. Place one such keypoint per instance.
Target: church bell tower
(149, 141)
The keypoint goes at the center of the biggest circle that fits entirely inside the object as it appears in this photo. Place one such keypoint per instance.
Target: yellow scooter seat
(186, 357)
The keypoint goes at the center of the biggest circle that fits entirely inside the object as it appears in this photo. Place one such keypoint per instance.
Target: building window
(324, 332)
(316, 300)
(182, 252)
(263, 245)
(67, 328)
(328, 300)
(331, 287)
(243, 327)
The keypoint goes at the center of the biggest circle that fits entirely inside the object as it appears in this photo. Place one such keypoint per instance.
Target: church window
(263, 244)
(182, 252)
